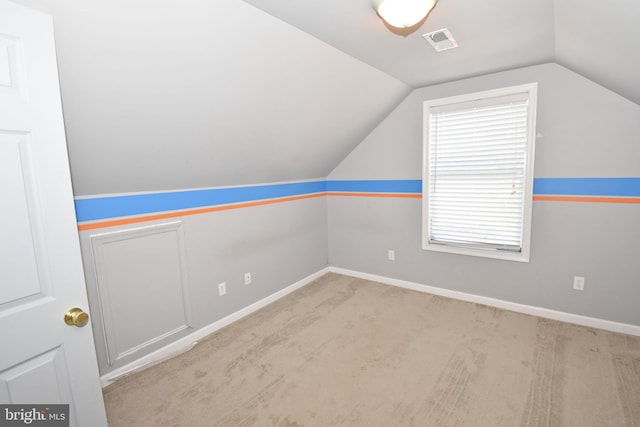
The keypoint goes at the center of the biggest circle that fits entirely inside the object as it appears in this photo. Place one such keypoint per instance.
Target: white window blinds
(477, 158)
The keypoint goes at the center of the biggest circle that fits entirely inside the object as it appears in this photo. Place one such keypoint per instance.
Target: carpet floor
(343, 351)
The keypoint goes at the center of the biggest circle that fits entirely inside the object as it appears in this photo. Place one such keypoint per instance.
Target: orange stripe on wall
(125, 221)
(135, 220)
(627, 200)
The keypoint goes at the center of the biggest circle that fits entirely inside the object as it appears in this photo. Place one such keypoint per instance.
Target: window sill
(483, 253)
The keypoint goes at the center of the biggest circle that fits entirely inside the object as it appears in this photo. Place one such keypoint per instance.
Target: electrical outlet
(392, 255)
(247, 278)
(222, 288)
(578, 283)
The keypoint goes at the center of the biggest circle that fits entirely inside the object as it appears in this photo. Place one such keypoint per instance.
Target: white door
(42, 359)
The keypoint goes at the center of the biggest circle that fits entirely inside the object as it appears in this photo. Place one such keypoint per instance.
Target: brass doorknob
(76, 317)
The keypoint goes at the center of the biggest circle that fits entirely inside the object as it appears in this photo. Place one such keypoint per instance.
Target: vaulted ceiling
(163, 95)
(600, 40)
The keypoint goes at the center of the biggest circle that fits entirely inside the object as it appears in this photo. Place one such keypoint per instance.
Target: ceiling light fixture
(403, 13)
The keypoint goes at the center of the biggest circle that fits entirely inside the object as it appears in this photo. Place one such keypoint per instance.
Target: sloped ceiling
(599, 40)
(162, 95)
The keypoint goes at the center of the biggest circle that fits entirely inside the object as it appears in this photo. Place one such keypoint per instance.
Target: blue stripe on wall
(377, 186)
(614, 187)
(92, 209)
(120, 206)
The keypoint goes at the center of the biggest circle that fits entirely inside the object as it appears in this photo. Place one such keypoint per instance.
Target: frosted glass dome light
(403, 13)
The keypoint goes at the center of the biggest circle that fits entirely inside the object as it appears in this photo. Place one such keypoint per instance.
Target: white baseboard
(186, 343)
(492, 302)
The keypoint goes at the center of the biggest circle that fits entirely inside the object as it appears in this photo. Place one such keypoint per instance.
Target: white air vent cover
(441, 40)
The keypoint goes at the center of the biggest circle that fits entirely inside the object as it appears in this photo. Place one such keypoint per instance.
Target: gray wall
(179, 95)
(137, 286)
(586, 131)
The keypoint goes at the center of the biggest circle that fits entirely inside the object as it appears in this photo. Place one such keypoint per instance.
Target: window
(478, 173)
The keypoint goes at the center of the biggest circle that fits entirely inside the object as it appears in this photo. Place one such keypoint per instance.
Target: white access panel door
(42, 359)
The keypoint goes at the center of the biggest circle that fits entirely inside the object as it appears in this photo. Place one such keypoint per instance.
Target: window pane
(477, 158)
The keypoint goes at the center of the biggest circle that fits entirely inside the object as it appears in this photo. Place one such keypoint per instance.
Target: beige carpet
(349, 352)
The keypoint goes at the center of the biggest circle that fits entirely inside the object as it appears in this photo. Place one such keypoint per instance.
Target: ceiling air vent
(441, 40)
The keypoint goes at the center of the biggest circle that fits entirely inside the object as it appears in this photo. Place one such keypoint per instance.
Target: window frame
(523, 256)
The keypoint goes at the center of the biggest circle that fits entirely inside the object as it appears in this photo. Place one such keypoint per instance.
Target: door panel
(43, 378)
(9, 65)
(43, 360)
(19, 260)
